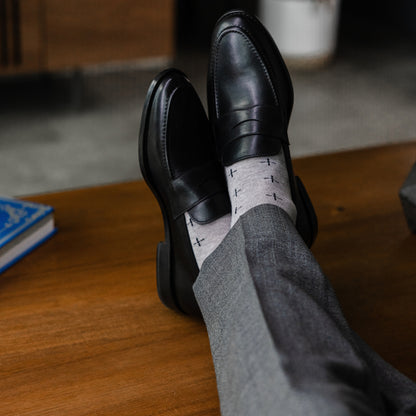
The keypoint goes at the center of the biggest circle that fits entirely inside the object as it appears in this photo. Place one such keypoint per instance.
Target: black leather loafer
(178, 162)
(250, 100)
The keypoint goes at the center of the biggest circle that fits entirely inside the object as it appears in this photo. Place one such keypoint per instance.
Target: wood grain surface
(364, 245)
(82, 331)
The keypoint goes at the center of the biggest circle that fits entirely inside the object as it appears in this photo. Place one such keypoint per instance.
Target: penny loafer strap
(255, 131)
(198, 185)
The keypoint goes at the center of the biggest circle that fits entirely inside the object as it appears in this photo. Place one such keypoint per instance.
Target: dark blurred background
(76, 125)
(196, 19)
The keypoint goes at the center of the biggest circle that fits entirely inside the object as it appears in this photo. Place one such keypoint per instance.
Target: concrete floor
(69, 130)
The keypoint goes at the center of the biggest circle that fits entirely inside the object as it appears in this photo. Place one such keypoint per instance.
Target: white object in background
(304, 30)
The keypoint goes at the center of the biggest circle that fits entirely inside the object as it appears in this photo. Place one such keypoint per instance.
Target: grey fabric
(279, 341)
(205, 238)
(259, 180)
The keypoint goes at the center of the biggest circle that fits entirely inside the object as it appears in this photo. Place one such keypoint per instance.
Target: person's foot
(178, 162)
(250, 99)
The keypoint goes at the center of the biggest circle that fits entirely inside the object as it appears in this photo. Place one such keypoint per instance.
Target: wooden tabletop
(83, 332)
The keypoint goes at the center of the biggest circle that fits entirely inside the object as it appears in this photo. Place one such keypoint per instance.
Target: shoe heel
(307, 222)
(164, 281)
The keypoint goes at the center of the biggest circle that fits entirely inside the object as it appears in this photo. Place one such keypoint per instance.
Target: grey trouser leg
(279, 341)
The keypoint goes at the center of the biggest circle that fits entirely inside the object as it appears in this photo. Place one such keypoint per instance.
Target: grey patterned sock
(256, 181)
(205, 238)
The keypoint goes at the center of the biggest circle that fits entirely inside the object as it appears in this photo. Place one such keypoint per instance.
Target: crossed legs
(279, 341)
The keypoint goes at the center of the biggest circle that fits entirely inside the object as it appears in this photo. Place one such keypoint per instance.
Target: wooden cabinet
(95, 31)
(20, 36)
(54, 34)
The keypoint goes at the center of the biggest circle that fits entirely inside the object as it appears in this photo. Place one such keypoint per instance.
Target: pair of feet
(205, 173)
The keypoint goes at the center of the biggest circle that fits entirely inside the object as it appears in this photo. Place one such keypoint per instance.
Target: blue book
(23, 226)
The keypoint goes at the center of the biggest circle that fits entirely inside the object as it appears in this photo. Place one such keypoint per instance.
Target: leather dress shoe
(178, 162)
(250, 100)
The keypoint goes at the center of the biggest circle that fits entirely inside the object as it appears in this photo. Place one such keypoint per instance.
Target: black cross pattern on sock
(236, 191)
(269, 162)
(275, 197)
(236, 209)
(271, 178)
(191, 223)
(231, 173)
(198, 241)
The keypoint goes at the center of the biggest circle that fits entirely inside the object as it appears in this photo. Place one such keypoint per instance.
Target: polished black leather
(178, 161)
(250, 100)
(180, 152)
(248, 132)
(250, 94)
